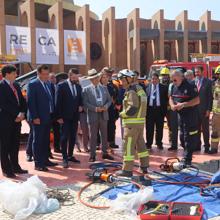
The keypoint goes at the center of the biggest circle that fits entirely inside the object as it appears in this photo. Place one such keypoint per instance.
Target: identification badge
(99, 99)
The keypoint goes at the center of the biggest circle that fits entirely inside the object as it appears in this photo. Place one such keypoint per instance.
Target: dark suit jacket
(205, 95)
(9, 107)
(67, 106)
(163, 90)
(38, 102)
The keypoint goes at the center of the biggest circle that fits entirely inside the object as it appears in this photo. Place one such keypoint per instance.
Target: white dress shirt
(99, 100)
(155, 94)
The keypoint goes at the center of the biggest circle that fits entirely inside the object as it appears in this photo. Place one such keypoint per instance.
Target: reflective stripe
(141, 93)
(123, 114)
(193, 132)
(143, 154)
(128, 158)
(216, 110)
(133, 121)
(129, 146)
(215, 140)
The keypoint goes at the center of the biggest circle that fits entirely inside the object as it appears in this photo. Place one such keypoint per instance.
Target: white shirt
(71, 86)
(7, 81)
(155, 93)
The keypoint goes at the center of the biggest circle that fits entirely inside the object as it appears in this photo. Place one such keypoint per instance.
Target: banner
(47, 46)
(74, 47)
(18, 42)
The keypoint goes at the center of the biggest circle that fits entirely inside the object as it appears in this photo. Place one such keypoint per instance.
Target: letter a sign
(47, 46)
(74, 47)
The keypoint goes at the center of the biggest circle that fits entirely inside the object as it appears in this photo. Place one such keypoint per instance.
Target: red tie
(199, 85)
(14, 91)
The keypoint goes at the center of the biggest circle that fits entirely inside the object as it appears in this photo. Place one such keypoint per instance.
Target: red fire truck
(208, 61)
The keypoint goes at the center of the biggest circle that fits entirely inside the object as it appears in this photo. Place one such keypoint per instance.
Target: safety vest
(216, 100)
(135, 101)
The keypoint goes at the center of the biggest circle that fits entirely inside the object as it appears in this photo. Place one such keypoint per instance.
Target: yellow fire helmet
(217, 70)
(164, 71)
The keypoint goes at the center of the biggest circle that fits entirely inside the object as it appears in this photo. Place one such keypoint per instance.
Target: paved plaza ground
(74, 178)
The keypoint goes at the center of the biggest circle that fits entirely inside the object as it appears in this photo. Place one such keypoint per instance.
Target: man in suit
(157, 95)
(96, 101)
(12, 112)
(68, 107)
(55, 125)
(40, 111)
(204, 86)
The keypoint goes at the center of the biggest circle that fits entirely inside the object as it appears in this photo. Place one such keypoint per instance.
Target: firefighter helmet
(164, 71)
(125, 73)
(217, 70)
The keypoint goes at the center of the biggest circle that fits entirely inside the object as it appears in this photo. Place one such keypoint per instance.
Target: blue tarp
(178, 193)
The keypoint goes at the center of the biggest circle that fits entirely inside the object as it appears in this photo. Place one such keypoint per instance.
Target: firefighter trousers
(189, 133)
(133, 142)
(215, 137)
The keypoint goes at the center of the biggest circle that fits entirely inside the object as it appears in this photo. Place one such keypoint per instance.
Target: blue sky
(148, 7)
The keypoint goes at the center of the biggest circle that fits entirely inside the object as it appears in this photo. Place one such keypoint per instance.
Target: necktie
(199, 84)
(51, 102)
(73, 90)
(154, 96)
(14, 91)
(97, 93)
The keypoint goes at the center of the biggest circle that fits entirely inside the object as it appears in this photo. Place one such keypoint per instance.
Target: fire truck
(208, 61)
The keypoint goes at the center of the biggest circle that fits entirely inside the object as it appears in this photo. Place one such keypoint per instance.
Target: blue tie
(51, 101)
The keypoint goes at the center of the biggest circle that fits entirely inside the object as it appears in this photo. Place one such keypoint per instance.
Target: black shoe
(57, 151)
(9, 175)
(65, 164)
(20, 171)
(213, 151)
(185, 162)
(107, 157)
(149, 147)
(92, 159)
(206, 150)
(73, 159)
(51, 164)
(160, 147)
(29, 158)
(114, 146)
(197, 149)
(43, 169)
(124, 173)
(172, 149)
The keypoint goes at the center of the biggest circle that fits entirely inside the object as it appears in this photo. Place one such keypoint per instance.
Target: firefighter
(165, 76)
(133, 119)
(215, 137)
(184, 99)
